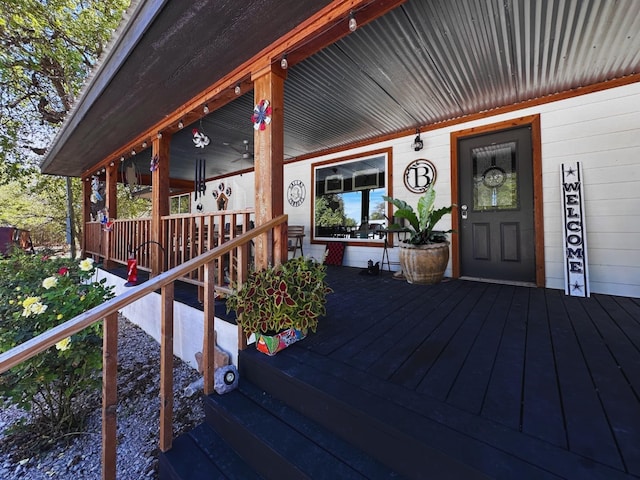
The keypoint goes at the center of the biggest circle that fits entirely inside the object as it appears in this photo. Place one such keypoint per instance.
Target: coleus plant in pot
(280, 304)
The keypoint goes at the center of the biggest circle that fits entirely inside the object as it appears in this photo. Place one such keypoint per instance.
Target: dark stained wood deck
(530, 362)
(550, 381)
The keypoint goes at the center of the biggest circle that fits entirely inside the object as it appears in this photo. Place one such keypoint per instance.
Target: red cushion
(335, 252)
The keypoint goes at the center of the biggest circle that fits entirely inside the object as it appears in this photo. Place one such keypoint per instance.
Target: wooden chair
(295, 235)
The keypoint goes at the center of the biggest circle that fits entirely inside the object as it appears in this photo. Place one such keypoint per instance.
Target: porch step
(249, 435)
(367, 422)
(201, 454)
(414, 435)
(278, 442)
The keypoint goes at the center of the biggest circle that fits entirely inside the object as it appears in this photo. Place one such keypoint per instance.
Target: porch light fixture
(237, 90)
(159, 135)
(144, 144)
(133, 152)
(122, 158)
(284, 64)
(205, 109)
(353, 24)
(180, 125)
(417, 144)
(111, 164)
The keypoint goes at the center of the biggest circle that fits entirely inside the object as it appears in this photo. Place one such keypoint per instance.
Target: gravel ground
(138, 421)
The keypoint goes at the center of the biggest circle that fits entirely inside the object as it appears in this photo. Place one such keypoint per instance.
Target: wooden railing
(275, 231)
(187, 236)
(131, 237)
(93, 239)
(184, 237)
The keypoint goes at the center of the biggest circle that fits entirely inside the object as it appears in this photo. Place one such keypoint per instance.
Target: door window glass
(495, 182)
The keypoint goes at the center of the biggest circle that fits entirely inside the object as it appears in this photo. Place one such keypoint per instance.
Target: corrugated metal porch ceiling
(429, 61)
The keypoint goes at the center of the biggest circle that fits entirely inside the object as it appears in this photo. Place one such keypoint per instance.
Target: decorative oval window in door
(495, 182)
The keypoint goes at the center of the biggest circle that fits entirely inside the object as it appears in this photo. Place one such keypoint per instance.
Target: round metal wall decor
(296, 193)
(419, 175)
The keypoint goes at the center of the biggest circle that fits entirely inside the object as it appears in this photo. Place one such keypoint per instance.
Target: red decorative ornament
(261, 115)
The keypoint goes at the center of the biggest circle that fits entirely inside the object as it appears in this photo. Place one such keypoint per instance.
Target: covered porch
(457, 380)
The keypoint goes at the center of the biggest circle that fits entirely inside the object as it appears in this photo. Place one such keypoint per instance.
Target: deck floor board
(532, 362)
(551, 381)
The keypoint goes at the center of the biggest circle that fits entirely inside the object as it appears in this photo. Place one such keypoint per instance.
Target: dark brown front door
(496, 224)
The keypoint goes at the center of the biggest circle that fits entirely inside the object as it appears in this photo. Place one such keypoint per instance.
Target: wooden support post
(269, 158)
(86, 213)
(111, 205)
(159, 203)
(109, 395)
(209, 345)
(166, 368)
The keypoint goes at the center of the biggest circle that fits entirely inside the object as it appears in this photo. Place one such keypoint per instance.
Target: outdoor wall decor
(296, 193)
(576, 271)
(419, 175)
(200, 139)
(222, 193)
(153, 166)
(261, 115)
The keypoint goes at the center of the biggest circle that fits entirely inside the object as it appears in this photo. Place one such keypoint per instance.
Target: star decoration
(570, 171)
(576, 286)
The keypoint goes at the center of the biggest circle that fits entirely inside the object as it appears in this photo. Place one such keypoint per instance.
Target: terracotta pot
(424, 264)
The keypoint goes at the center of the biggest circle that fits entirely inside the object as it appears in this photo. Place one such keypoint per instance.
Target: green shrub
(36, 294)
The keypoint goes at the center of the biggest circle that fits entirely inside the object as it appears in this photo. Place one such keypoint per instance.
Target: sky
(352, 202)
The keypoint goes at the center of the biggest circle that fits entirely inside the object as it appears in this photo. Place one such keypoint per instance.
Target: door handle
(464, 209)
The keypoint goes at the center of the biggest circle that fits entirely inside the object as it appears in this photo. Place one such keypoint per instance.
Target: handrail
(109, 310)
(38, 344)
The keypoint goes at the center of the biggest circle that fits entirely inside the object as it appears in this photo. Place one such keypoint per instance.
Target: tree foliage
(47, 49)
(330, 211)
(38, 203)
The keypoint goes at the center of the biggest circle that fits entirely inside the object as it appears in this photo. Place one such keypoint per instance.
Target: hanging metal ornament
(200, 182)
(154, 163)
(200, 139)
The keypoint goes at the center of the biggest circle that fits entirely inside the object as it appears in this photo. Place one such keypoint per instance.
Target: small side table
(402, 232)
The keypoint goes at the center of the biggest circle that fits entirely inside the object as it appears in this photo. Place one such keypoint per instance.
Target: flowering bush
(36, 294)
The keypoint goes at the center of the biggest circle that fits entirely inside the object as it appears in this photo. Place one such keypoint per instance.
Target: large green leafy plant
(291, 295)
(423, 220)
(36, 294)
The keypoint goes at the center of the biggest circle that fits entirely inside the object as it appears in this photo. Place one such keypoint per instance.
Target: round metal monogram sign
(419, 175)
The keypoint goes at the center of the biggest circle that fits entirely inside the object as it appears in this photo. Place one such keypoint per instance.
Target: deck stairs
(297, 415)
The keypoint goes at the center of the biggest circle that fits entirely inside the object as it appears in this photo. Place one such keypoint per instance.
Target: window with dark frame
(348, 204)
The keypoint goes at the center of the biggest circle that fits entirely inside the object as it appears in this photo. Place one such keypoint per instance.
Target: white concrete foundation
(188, 324)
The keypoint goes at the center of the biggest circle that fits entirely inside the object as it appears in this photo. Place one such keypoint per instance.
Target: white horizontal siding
(601, 130)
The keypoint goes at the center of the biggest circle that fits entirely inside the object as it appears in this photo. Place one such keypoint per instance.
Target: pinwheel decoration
(153, 165)
(200, 139)
(261, 115)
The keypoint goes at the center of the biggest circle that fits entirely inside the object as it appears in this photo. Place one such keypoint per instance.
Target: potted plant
(281, 304)
(425, 254)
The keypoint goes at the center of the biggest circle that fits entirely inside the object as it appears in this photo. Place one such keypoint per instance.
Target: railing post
(109, 395)
(208, 347)
(166, 368)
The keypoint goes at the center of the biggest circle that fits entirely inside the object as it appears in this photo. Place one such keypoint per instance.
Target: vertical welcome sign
(576, 271)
